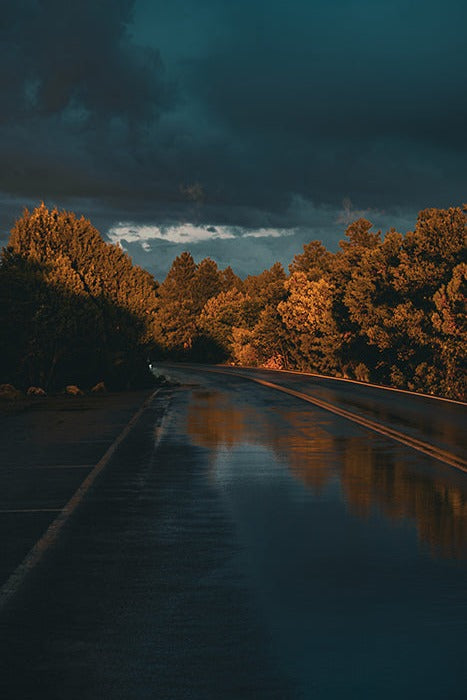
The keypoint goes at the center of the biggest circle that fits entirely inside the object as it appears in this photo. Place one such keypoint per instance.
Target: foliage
(73, 308)
(450, 323)
(389, 309)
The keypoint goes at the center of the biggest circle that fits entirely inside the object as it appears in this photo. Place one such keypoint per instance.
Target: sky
(236, 129)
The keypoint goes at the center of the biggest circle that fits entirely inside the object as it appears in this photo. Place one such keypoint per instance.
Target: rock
(73, 390)
(8, 391)
(36, 391)
(5, 388)
(99, 388)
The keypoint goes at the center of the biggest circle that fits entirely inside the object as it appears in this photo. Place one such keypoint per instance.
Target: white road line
(51, 535)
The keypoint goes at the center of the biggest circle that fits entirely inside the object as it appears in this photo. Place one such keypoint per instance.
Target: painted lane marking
(29, 510)
(51, 535)
(419, 445)
(232, 370)
(55, 466)
(358, 383)
(424, 447)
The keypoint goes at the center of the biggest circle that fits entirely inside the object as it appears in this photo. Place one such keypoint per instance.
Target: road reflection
(373, 474)
(415, 415)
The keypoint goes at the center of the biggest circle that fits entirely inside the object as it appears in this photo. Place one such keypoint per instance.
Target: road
(422, 420)
(245, 543)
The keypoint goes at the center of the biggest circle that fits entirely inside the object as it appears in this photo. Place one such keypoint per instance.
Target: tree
(450, 323)
(308, 315)
(267, 288)
(91, 310)
(370, 299)
(207, 283)
(175, 325)
(430, 252)
(315, 261)
(270, 339)
(221, 315)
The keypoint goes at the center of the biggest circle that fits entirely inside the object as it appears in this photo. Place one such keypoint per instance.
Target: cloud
(256, 116)
(77, 96)
(185, 233)
(188, 233)
(245, 255)
(78, 61)
(249, 250)
(269, 233)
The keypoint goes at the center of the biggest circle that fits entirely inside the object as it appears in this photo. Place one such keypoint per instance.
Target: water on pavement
(249, 546)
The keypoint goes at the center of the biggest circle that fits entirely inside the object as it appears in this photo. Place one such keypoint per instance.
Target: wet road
(246, 544)
(440, 422)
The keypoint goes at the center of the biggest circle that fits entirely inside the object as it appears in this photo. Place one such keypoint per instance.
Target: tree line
(388, 309)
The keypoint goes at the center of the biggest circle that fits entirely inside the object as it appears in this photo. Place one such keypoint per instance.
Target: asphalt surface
(245, 544)
(440, 422)
(47, 448)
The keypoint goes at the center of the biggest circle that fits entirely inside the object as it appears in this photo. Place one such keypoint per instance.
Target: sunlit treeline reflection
(371, 476)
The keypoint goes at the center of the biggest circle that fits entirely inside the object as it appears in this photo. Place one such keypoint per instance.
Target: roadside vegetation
(388, 309)
(74, 310)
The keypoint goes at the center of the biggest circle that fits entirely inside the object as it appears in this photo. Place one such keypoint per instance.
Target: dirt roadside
(47, 448)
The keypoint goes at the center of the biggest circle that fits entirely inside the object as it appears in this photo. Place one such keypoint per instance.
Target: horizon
(155, 247)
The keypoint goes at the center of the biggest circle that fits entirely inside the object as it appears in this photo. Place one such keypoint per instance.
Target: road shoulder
(48, 448)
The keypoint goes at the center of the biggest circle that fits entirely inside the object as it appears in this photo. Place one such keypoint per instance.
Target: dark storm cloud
(76, 89)
(366, 98)
(76, 61)
(323, 100)
(269, 112)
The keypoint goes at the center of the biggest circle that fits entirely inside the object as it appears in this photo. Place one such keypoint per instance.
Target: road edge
(432, 451)
(37, 552)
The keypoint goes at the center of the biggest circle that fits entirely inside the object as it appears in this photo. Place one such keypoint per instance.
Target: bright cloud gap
(188, 233)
